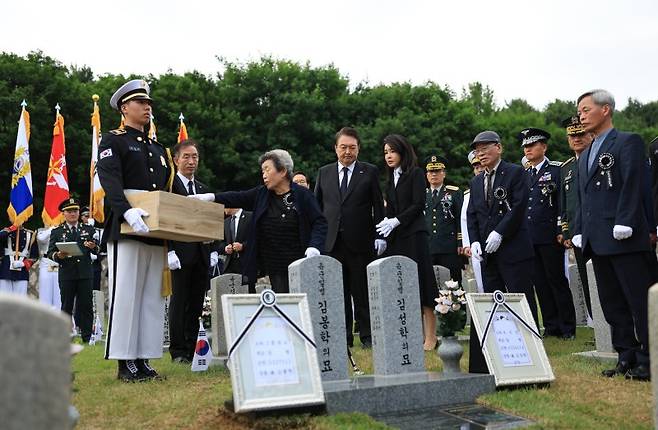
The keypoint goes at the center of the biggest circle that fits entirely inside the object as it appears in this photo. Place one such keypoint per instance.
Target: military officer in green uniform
(75, 274)
(443, 206)
(579, 140)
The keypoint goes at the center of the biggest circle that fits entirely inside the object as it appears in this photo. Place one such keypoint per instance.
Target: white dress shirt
(350, 170)
(396, 175)
(185, 181)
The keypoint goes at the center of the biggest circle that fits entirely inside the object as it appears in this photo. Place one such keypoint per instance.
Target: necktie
(231, 229)
(435, 195)
(236, 224)
(190, 187)
(593, 152)
(343, 182)
(533, 172)
(488, 177)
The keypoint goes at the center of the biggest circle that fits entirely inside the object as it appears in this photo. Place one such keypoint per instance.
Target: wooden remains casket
(176, 217)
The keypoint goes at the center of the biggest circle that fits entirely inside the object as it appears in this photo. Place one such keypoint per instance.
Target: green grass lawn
(579, 398)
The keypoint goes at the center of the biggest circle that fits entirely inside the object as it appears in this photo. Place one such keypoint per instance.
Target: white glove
(380, 246)
(493, 242)
(577, 241)
(133, 217)
(172, 261)
(214, 258)
(97, 235)
(206, 197)
(93, 257)
(621, 232)
(17, 264)
(311, 252)
(386, 226)
(476, 251)
(91, 221)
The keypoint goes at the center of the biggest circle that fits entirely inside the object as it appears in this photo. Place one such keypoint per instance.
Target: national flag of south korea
(202, 352)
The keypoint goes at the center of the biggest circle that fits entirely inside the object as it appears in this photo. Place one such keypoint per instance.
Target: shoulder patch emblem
(555, 163)
(105, 153)
(118, 132)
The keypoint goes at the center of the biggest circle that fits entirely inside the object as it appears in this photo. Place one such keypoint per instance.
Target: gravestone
(395, 317)
(442, 274)
(653, 347)
(228, 283)
(576, 287)
(35, 365)
(602, 332)
(321, 278)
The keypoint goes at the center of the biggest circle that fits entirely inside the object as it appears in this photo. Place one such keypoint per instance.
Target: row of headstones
(394, 313)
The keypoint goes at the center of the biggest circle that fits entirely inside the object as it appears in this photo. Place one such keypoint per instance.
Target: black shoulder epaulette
(568, 161)
(452, 188)
(118, 132)
(555, 163)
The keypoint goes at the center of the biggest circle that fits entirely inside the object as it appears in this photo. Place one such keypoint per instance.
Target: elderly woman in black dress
(404, 227)
(287, 223)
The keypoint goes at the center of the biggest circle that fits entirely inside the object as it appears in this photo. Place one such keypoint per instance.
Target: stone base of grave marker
(602, 333)
(379, 394)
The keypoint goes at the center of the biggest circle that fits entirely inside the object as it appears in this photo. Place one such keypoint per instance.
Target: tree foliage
(249, 108)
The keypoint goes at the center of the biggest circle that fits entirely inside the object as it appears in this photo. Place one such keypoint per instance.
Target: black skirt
(416, 247)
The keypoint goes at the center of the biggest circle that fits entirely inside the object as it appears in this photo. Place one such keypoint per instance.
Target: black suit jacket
(312, 224)
(603, 206)
(512, 222)
(190, 252)
(232, 262)
(355, 214)
(406, 203)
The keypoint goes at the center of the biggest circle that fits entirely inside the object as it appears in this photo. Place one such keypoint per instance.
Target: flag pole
(91, 171)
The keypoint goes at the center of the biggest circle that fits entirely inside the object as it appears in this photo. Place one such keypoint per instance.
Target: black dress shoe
(147, 371)
(620, 369)
(641, 372)
(128, 372)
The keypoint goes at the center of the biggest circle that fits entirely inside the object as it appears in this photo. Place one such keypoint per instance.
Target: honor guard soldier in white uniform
(129, 161)
(15, 266)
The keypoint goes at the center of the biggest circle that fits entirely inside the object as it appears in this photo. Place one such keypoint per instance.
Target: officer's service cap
(472, 158)
(84, 211)
(69, 204)
(573, 125)
(435, 162)
(137, 89)
(530, 136)
(486, 137)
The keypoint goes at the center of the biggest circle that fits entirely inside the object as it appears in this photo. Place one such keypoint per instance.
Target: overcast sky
(528, 49)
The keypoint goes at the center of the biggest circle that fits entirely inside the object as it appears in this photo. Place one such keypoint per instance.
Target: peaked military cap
(573, 125)
(435, 162)
(69, 204)
(137, 89)
(472, 158)
(529, 136)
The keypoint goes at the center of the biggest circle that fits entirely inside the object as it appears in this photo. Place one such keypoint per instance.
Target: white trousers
(14, 287)
(136, 304)
(49, 286)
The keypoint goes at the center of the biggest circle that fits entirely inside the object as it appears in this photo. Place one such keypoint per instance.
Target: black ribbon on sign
(267, 300)
(499, 300)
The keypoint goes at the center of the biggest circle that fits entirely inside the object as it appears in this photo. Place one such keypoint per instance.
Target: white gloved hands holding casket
(205, 197)
(133, 217)
(172, 261)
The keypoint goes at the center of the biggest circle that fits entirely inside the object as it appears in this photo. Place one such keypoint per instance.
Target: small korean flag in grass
(202, 352)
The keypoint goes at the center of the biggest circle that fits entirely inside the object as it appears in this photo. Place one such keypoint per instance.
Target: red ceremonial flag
(57, 183)
(182, 130)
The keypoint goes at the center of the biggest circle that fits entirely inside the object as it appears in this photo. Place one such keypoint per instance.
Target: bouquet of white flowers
(450, 309)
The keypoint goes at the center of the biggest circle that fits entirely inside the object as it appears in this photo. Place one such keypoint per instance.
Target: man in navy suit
(612, 228)
(497, 218)
(551, 284)
(351, 200)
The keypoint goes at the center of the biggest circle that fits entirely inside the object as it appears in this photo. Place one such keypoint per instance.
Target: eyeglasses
(484, 149)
